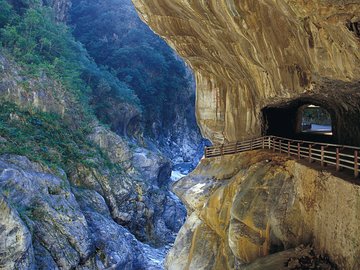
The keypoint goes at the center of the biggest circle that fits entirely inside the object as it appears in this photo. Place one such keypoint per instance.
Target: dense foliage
(46, 138)
(122, 66)
(42, 45)
(116, 38)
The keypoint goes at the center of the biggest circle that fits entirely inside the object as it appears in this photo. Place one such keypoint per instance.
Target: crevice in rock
(354, 27)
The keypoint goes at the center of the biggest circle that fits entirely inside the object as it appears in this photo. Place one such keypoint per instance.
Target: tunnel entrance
(301, 119)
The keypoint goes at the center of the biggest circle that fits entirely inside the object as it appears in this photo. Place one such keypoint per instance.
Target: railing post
(263, 142)
(222, 150)
(280, 146)
(274, 145)
(322, 156)
(298, 150)
(310, 148)
(356, 164)
(337, 159)
(251, 144)
(269, 142)
(288, 148)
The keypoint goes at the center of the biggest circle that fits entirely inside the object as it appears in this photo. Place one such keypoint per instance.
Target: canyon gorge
(97, 113)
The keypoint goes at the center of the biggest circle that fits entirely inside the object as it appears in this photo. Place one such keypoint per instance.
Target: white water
(176, 175)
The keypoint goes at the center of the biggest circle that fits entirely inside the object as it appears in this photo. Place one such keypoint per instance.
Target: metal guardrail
(341, 156)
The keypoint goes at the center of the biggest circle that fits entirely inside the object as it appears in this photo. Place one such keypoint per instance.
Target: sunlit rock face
(248, 54)
(250, 205)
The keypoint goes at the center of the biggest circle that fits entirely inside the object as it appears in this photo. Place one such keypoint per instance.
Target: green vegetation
(116, 38)
(46, 138)
(43, 46)
(132, 66)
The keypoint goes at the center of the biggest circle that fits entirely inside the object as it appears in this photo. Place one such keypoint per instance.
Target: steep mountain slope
(73, 194)
(116, 38)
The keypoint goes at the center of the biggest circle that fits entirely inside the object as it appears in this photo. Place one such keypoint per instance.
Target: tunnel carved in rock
(286, 120)
(247, 55)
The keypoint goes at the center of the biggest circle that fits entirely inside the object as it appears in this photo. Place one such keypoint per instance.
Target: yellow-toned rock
(249, 54)
(256, 63)
(269, 203)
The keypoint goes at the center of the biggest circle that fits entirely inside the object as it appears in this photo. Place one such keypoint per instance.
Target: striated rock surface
(256, 64)
(85, 222)
(248, 55)
(253, 204)
(41, 93)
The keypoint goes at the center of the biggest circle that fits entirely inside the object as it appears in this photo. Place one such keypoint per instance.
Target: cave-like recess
(282, 119)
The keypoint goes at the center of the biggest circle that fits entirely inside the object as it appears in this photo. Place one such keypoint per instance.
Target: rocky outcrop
(85, 223)
(138, 197)
(248, 55)
(137, 193)
(49, 210)
(256, 64)
(253, 204)
(57, 227)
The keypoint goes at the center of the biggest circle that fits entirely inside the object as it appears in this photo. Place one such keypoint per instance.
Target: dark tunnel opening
(301, 119)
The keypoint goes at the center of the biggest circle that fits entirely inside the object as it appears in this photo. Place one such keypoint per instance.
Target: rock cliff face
(40, 93)
(62, 236)
(250, 55)
(61, 8)
(256, 63)
(250, 205)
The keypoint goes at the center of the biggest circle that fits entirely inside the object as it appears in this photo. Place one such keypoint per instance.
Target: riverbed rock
(48, 208)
